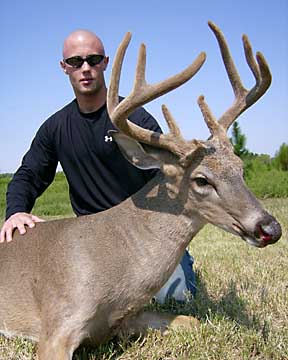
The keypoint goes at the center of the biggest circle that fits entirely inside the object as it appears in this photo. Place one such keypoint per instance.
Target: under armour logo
(108, 138)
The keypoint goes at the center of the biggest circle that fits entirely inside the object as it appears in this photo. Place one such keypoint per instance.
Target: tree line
(266, 176)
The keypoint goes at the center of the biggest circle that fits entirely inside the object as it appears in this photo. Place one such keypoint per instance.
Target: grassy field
(242, 299)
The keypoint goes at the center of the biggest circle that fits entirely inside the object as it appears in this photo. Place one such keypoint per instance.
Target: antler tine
(212, 123)
(250, 57)
(141, 94)
(260, 69)
(173, 127)
(233, 75)
(261, 73)
(113, 90)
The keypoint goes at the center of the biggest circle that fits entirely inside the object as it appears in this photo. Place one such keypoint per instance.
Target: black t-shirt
(99, 177)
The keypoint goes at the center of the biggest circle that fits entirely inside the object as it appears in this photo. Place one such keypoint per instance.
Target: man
(77, 136)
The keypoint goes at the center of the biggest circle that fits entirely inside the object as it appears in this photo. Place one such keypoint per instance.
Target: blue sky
(33, 86)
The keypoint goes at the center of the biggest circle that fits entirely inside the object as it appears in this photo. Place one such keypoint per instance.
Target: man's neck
(90, 103)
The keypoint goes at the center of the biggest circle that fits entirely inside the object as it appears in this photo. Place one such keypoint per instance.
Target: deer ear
(135, 153)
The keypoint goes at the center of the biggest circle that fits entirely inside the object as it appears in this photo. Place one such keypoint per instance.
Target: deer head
(206, 177)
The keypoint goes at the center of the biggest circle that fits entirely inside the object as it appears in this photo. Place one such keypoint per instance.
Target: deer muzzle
(266, 232)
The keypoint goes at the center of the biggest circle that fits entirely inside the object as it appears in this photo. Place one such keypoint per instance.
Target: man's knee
(182, 283)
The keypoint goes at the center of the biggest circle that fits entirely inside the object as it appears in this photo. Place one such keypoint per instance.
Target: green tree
(281, 157)
(239, 141)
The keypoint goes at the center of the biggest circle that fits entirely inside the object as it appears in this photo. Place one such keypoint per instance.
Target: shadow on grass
(112, 350)
(229, 307)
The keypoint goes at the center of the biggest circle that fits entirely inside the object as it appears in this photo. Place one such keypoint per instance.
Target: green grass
(242, 303)
(53, 203)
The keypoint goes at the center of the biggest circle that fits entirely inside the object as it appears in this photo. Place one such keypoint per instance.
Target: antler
(243, 98)
(141, 94)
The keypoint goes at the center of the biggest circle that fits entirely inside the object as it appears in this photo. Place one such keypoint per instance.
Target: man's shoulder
(51, 125)
(144, 119)
(60, 116)
(140, 116)
(66, 110)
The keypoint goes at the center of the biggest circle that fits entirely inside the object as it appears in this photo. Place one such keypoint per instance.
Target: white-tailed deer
(87, 278)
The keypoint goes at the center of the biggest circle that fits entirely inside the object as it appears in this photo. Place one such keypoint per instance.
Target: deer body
(112, 277)
(72, 280)
(115, 269)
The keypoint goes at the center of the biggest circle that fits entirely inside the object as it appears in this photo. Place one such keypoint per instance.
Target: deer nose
(269, 231)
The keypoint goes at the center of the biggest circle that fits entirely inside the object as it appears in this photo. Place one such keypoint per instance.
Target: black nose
(268, 230)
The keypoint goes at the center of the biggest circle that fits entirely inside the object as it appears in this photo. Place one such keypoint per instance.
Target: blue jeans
(181, 283)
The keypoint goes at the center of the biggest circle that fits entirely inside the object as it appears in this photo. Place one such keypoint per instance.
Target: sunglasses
(78, 61)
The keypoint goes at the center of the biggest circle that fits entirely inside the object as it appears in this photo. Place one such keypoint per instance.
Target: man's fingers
(18, 221)
(6, 233)
(29, 222)
(9, 234)
(21, 228)
(2, 236)
(37, 219)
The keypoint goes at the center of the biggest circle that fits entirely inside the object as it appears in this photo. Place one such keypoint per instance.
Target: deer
(58, 285)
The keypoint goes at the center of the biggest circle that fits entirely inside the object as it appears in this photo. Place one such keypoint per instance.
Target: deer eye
(201, 181)
(201, 185)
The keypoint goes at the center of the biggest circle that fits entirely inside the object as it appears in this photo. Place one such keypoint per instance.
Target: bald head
(87, 79)
(82, 41)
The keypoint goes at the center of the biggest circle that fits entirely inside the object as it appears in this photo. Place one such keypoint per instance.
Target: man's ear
(105, 62)
(135, 153)
(63, 66)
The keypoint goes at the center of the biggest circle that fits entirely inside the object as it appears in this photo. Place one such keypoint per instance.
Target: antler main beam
(141, 94)
(243, 98)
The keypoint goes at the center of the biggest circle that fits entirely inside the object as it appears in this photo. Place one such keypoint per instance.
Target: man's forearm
(21, 193)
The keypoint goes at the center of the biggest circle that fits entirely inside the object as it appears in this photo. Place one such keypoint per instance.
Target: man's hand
(17, 221)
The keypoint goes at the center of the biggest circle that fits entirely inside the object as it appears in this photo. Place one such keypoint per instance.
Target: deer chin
(259, 239)
(254, 241)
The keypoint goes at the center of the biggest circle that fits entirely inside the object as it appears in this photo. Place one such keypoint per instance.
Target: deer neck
(154, 231)
(162, 218)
